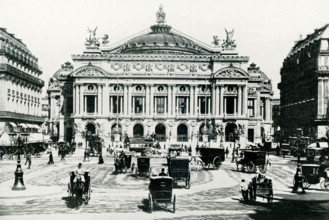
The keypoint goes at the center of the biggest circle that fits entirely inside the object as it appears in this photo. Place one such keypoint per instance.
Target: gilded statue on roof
(161, 15)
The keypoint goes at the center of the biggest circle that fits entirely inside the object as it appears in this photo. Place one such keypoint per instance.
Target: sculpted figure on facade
(161, 16)
(193, 68)
(229, 43)
(92, 40)
(148, 68)
(216, 41)
(105, 39)
(126, 67)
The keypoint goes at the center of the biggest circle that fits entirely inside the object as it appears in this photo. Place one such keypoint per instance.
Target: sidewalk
(309, 195)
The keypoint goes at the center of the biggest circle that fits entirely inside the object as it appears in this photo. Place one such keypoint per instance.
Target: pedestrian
(29, 160)
(100, 159)
(51, 158)
(62, 156)
(197, 149)
(278, 150)
(163, 173)
(227, 151)
(190, 150)
(244, 190)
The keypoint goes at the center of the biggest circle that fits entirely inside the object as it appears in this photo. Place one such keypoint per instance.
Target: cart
(79, 190)
(314, 174)
(161, 191)
(263, 189)
(251, 160)
(143, 166)
(211, 156)
(179, 170)
(285, 150)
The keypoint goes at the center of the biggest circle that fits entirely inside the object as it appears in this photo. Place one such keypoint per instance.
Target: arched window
(160, 131)
(115, 130)
(182, 135)
(201, 130)
(229, 132)
(91, 128)
(138, 131)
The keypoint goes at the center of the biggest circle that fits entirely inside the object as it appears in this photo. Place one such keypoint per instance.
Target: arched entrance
(229, 132)
(182, 133)
(90, 127)
(160, 131)
(138, 131)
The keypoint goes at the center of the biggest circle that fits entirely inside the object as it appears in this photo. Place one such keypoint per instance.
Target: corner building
(304, 86)
(162, 82)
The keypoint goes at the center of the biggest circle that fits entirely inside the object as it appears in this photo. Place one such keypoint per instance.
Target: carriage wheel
(263, 168)
(251, 167)
(68, 190)
(217, 162)
(150, 203)
(325, 184)
(174, 204)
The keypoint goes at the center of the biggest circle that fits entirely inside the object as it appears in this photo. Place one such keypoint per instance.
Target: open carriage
(79, 189)
(173, 152)
(179, 170)
(161, 191)
(211, 156)
(251, 159)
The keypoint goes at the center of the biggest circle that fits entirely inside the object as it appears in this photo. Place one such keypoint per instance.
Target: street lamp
(19, 139)
(298, 185)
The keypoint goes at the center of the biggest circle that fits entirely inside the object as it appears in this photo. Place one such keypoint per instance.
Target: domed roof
(64, 71)
(161, 40)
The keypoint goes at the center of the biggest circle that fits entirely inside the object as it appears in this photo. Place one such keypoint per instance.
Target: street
(214, 194)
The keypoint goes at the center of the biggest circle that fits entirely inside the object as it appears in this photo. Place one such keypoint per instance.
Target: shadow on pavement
(146, 203)
(72, 202)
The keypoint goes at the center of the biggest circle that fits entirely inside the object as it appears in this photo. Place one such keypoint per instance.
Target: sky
(264, 30)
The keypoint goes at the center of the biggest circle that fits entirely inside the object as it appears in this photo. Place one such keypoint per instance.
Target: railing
(25, 117)
(16, 72)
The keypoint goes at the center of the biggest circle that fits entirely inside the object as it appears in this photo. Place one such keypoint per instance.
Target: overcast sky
(264, 30)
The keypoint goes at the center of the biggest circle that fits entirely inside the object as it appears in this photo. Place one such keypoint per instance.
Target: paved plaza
(214, 194)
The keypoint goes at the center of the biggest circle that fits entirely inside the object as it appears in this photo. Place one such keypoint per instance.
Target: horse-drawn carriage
(173, 152)
(161, 191)
(261, 187)
(251, 159)
(122, 161)
(314, 174)
(79, 189)
(143, 166)
(179, 170)
(211, 156)
(285, 150)
(142, 146)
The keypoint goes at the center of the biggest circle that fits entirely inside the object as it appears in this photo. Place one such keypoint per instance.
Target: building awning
(13, 124)
(37, 126)
(23, 125)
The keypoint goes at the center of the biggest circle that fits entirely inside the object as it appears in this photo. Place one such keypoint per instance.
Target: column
(165, 105)
(169, 94)
(257, 105)
(106, 100)
(99, 99)
(320, 97)
(129, 100)
(199, 106)
(221, 107)
(245, 100)
(95, 106)
(235, 107)
(191, 102)
(213, 97)
(133, 105)
(224, 106)
(239, 100)
(81, 102)
(121, 104)
(195, 100)
(151, 101)
(125, 98)
(111, 111)
(147, 97)
(75, 100)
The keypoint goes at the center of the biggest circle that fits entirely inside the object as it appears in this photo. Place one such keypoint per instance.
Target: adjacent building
(161, 82)
(304, 86)
(20, 85)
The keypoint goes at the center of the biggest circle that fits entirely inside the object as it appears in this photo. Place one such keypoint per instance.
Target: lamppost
(87, 135)
(19, 139)
(221, 134)
(298, 185)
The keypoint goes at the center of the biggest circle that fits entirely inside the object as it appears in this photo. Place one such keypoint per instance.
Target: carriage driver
(79, 174)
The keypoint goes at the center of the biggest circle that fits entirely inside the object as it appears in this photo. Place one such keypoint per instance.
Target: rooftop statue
(229, 43)
(216, 41)
(92, 40)
(161, 16)
(105, 39)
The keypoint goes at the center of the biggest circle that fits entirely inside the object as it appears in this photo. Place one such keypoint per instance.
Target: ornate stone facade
(162, 82)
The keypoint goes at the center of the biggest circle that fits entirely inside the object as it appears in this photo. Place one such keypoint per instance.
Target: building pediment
(231, 72)
(89, 71)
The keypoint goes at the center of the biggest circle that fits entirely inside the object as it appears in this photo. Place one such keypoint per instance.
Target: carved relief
(89, 72)
(182, 67)
(203, 67)
(252, 91)
(193, 68)
(160, 66)
(138, 66)
(171, 68)
(148, 68)
(231, 90)
(126, 67)
(116, 66)
(230, 73)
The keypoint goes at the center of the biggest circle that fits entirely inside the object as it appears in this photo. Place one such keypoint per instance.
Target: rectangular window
(91, 103)
(9, 94)
(13, 93)
(230, 105)
(139, 102)
(251, 108)
(204, 105)
(116, 104)
(182, 105)
(262, 108)
(160, 105)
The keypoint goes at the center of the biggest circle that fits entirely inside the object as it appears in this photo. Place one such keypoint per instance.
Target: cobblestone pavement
(213, 194)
